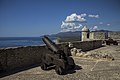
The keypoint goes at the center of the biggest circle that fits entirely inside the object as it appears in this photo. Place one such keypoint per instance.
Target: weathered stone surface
(114, 35)
(92, 69)
(12, 58)
(93, 54)
(87, 45)
(97, 35)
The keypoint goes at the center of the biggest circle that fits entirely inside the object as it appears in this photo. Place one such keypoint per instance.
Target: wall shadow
(68, 71)
(73, 70)
(4, 73)
(10, 72)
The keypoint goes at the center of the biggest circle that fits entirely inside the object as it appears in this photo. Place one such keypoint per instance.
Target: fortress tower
(85, 33)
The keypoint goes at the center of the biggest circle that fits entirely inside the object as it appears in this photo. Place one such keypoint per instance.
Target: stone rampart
(88, 45)
(114, 35)
(12, 58)
(97, 35)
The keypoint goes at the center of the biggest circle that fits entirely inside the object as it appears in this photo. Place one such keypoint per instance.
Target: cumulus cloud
(95, 28)
(75, 21)
(101, 23)
(108, 24)
(76, 18)
(93, 16)
(69, 26)
(83, 15)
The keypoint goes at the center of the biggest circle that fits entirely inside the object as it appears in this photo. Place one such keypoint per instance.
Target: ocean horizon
(6, 42)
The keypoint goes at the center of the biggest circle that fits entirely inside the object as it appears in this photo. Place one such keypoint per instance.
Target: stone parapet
(12, 58)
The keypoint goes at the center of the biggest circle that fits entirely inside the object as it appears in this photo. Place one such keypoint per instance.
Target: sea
(6, 42)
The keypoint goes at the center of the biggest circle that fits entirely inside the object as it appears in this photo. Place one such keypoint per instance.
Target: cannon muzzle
(50, 45)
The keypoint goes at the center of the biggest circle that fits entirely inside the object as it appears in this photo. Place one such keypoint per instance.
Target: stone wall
(97, 35)
(88, 45)
(104, 35)
(12, 58)
(114, 35)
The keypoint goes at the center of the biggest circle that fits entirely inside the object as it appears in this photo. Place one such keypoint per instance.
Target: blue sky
(28, 18)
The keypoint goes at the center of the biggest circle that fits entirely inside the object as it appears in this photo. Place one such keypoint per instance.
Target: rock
(77, 52)
(92, 55)
(73, 51)
(80, 54)
(70, 45)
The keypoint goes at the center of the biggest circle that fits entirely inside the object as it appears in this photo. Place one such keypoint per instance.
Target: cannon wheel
(59, 70)
(115, 43)
(43, 66)
(107, 43)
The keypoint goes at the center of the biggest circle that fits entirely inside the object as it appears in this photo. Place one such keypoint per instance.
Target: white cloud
(74, 17)
(74, 22)
(78, 26)
(93, 16)
(101, 23)
(83, 15)
(108, 24)
(95, 28)
(64, 30)
(91, 28)
(70, 26)
(67, 25)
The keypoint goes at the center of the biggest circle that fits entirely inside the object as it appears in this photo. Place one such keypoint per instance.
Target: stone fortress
(19, 57)
(99, 38)
(88, 35)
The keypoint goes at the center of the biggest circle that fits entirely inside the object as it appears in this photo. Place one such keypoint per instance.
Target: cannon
(56, 57)
(111, 41)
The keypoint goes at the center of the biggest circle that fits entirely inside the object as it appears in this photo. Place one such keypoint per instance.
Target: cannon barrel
(58, 58)
(51, 45)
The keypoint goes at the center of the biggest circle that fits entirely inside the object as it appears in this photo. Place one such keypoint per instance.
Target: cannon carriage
(56, 57)
(111, 41)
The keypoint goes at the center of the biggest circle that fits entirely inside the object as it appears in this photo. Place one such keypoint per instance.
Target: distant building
(85, 33)
(98, 35)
